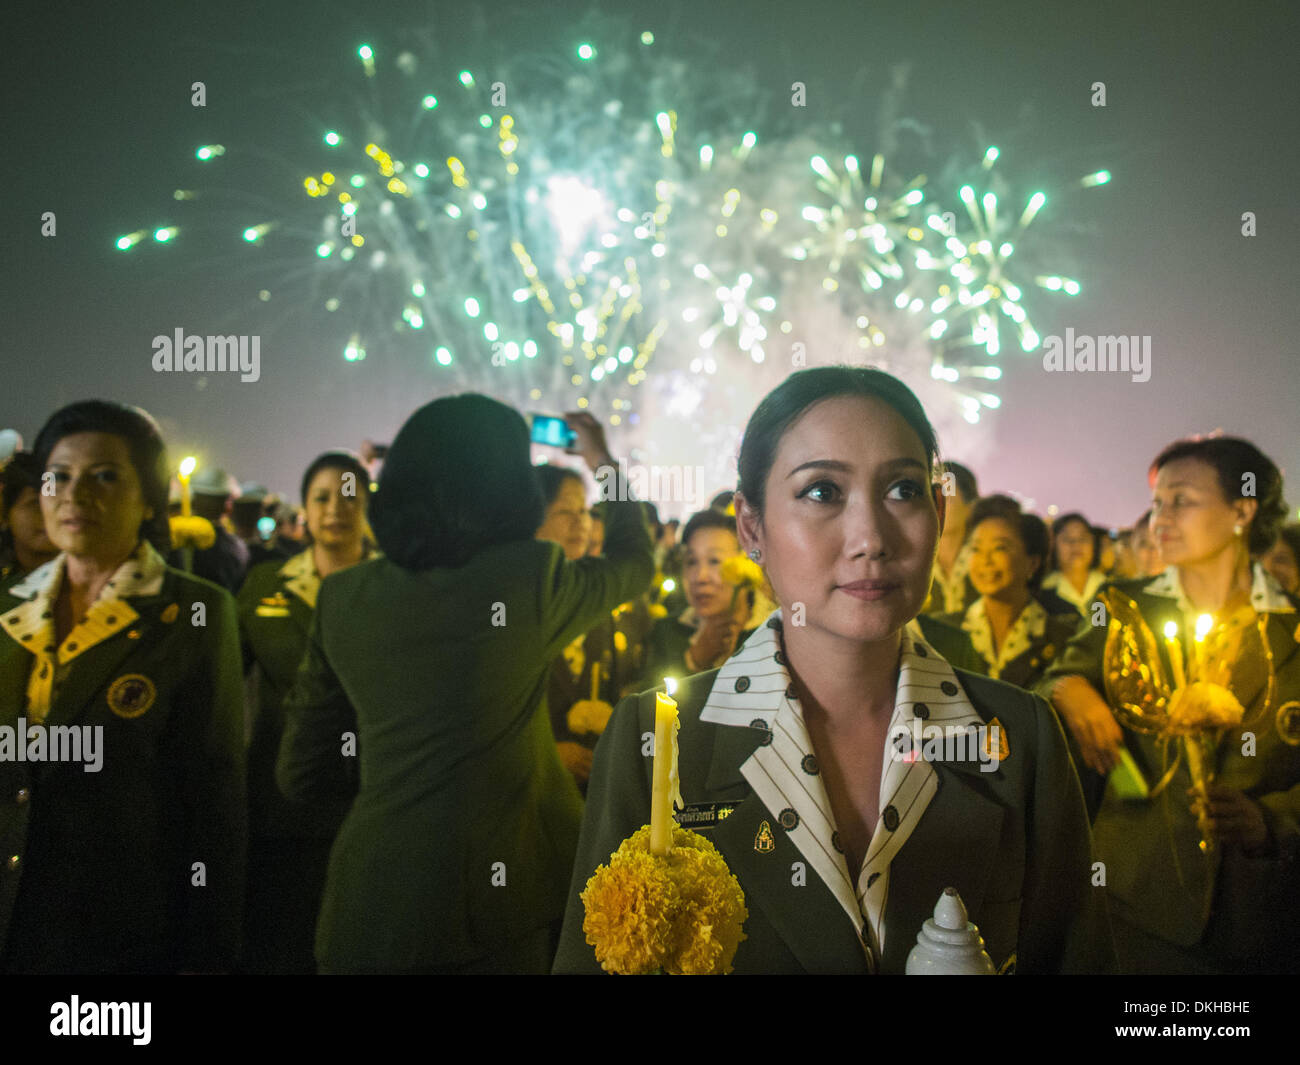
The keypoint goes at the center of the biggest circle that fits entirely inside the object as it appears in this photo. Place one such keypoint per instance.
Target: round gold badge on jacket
(131, 695)
(1288, 723)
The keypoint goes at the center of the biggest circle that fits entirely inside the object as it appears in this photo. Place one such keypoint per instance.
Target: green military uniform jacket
(97, 869)
(461, 839)
(666, 648)
(953, 645)
(1235, 912)
(1013, 842)
(275, 610)
(1033, 642)
(952, 591)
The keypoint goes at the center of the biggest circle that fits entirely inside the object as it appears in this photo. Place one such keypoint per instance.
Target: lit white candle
(665, 787)
(1175, 648)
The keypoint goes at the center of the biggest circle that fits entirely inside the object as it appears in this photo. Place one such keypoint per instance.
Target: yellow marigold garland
(681, 914)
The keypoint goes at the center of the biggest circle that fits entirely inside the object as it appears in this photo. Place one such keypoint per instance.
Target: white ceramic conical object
(948, 944)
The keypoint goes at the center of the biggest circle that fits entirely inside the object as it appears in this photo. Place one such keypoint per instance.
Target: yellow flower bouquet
(666, 902)
(192, 531)
(681, 913)
(741, 572)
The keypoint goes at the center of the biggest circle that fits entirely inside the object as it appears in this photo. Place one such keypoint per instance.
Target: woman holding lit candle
(1217, 502)
(134, 864)
(795, 755)
(425, 672)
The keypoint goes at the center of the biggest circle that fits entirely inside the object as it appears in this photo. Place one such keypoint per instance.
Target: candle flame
(670, 685)
(1204, 624)
(1171, 630)
(187, 465)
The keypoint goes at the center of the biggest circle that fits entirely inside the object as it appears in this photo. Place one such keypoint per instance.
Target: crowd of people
(396, 728)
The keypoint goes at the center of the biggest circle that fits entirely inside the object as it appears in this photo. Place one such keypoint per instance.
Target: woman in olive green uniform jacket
(842, 768)
(1175, 908)
(289, 842)
(432, 663)
(1014, 637)
(126, 856)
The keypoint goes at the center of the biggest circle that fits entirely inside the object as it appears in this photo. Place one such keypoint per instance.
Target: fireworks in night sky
(606, 226)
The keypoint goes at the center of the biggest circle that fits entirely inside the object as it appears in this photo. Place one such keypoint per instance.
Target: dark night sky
(1200, 126)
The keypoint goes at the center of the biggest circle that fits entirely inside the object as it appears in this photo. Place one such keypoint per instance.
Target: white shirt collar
(1029, 625)
(141, 574)
(1266, 595)
(753, 688)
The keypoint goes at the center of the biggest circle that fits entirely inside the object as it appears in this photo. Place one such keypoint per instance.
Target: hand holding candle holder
(741, 572)
(666, 903)
(188, 531)
(590, 715)
(949, 944)
(1200, 701)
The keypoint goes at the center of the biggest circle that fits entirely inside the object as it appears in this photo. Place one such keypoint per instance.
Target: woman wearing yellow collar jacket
(806, 757)
(1216, 502)
(122, 825)
(289, 843)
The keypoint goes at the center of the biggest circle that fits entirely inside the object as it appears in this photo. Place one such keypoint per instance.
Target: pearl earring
(1236, 529)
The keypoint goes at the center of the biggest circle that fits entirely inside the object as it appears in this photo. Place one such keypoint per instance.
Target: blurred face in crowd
(1000, 568)
(1281, 562)
(27, 526)
(596, 540)
(97, 507)
(1075, 547)
(335, 517)
(706, 551)
(850, 526)
(1191, 519)
(291, 527)
(1106, 560)
(956, 512)
(1146, 552)
(567, 521)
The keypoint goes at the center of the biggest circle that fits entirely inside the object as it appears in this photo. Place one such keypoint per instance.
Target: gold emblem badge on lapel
(764, 841)
(1288, 723)
(273, 606)
(994, 729)
(131, 695)
(170, 614)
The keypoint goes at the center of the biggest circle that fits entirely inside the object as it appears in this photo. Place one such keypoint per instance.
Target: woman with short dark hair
(425, 673)
(1012, 633)
(138, 865)
(24, 543)
(1074, 574)
(1282, 560)
(716, 619)
(798, 750)
(1217, 503)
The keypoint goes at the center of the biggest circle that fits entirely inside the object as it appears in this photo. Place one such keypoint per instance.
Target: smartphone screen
(552, 431)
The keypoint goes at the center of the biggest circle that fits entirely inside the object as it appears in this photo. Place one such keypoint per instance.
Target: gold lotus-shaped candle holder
(1201, 694)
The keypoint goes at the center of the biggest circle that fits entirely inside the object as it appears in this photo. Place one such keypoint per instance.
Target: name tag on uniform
(703, 815)
(273, 606)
